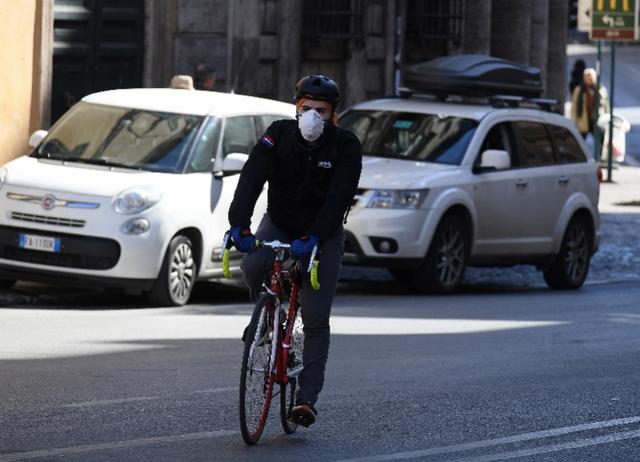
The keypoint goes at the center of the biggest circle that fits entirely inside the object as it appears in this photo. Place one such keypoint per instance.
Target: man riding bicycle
(312, 167)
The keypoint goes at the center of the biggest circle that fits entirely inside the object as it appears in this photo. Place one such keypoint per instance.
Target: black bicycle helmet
(318, 87)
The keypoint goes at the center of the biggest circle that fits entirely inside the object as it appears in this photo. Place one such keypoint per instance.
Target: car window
(265, 120)
(500, 137)
(204, 150)
(567, 148)
(239, 135)
(415, 136)
(123, 137)
(535, 145)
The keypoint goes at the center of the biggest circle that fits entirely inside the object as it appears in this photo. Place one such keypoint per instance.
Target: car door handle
(563, 180)
(522, 183)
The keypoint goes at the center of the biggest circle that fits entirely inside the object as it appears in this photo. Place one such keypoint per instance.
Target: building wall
(261, 47)
(17, 24)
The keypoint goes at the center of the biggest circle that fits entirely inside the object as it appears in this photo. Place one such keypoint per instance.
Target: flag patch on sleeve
(267, 140)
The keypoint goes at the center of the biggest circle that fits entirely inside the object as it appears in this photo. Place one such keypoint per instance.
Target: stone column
(539, 37)
(355, 73)
(557, 50)
(511, 30)
(477, 27)
(390, 47)
(159, 34)
(245, 54)
(290, 42)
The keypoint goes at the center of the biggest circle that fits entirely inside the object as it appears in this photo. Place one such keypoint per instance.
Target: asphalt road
(507, 373)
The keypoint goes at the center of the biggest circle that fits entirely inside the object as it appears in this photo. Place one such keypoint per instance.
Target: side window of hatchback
(240, 135)
(204, 152)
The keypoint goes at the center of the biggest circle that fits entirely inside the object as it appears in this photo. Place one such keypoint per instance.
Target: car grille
(83, 252)
(47, 220)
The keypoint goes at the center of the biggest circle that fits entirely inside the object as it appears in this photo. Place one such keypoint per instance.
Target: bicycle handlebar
(312, 269)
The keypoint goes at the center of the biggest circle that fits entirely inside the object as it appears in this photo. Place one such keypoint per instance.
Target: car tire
(7, 283)
(571, 266)
(177, 275)
(443, 268)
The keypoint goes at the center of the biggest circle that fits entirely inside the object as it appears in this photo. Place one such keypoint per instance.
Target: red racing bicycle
(273, 342)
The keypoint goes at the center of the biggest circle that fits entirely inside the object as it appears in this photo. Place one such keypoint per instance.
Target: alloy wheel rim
(450, 256)
(181, 272)
(577, 253)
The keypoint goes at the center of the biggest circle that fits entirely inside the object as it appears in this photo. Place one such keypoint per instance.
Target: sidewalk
(624, 189)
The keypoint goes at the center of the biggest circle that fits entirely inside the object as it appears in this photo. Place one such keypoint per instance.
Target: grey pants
(316, 304)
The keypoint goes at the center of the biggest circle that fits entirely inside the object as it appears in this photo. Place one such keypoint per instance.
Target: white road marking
(552, 448)
(104, 402)
(214, 390)
(498, 441)
(56, 452)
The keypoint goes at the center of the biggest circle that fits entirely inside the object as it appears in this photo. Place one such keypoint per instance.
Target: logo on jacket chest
(325, 164)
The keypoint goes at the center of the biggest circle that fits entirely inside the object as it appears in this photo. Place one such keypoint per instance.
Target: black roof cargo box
(473, 75)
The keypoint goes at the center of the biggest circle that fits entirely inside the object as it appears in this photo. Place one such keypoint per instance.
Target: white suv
(446, 185)
(131, 188)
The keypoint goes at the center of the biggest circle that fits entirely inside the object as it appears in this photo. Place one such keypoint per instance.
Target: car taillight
(600, 175)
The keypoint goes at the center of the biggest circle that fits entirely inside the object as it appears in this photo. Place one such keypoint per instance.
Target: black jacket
(310, 189)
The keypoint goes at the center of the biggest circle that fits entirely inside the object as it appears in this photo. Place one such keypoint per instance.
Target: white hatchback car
(131, 188)
(446, 185)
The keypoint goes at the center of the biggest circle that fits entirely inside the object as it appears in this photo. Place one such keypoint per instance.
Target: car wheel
(446, 260)
(7, 283)
(177, 275)
(571, 265)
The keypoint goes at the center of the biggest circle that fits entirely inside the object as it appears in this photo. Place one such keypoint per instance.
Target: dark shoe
(303, 414)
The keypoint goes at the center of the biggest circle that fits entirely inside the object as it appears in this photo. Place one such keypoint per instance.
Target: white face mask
(311, 125)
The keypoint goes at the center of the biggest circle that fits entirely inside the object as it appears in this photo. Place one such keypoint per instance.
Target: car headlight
(136, 199)
(3, 176)
(396, 198)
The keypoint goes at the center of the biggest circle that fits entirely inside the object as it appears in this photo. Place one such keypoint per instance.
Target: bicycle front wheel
(294, 367)
(256, 377)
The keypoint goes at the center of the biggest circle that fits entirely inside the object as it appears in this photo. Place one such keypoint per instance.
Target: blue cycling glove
(243, 239)
(303, 246)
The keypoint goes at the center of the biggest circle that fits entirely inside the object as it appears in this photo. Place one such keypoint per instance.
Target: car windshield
(121, 137)
(406, 135)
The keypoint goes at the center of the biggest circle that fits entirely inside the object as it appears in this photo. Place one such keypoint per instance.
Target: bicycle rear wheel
(294, 367)
(256, 379)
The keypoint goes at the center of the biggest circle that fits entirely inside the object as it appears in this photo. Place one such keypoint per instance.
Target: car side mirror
(37, 137)
(494, 159)
(234, 162)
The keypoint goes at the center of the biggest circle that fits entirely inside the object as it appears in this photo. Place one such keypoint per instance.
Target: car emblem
(48, 202)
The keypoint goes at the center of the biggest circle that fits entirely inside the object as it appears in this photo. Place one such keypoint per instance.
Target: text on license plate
(35, 242)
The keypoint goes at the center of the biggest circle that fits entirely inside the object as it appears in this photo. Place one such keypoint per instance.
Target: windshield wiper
(105, 162)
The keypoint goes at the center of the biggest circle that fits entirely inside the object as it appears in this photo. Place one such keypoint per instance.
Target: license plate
(35, 242)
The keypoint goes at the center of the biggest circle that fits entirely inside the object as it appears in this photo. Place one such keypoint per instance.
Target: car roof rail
(497, 101)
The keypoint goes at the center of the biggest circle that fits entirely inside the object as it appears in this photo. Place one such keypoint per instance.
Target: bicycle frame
(281, 346)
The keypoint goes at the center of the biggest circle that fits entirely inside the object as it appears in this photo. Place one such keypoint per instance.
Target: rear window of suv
(412, 136)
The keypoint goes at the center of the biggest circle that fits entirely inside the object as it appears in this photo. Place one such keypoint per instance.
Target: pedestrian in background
(577, 75)
(204, 77)
(583, 101)
(182, 82)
